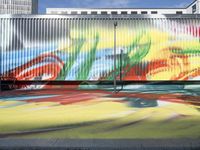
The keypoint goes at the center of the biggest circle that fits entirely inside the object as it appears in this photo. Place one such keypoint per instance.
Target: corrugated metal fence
(148, 48)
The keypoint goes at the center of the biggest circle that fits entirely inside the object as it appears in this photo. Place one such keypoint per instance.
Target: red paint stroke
(66, 97)
(25, 72)
(70, 98)
(139, 73)
(189, 74)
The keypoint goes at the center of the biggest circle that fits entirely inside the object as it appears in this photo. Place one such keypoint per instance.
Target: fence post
(115, 52)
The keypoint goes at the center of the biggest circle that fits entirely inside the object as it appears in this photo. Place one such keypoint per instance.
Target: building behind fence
(18, 6)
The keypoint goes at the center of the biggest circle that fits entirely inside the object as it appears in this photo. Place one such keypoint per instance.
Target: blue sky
(43, 4)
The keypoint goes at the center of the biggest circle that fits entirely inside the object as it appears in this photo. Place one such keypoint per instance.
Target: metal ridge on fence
(109, 16)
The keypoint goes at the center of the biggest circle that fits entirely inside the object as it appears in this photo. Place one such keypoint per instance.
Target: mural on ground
(137, 112)
(62, 49)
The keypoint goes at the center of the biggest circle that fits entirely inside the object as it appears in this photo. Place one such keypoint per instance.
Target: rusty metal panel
(78, 48)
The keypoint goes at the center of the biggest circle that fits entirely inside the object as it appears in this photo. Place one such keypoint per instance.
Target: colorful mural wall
(64, 48)
(83, 49)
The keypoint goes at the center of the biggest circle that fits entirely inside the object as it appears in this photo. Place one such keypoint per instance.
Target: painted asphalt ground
(101, 144)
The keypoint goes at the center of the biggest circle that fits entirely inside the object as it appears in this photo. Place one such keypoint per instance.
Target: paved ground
(142, 112)
(166, 144)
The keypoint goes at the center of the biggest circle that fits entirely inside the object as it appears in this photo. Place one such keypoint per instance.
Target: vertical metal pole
(121, 70)
(115, 52)
(121, 55)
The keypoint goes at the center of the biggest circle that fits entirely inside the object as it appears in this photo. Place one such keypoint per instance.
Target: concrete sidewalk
(154, 144)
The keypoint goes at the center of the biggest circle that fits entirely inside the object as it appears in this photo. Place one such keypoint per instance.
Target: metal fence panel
(78, 48)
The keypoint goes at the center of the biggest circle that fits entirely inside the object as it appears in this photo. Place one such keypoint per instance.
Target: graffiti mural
(77, 49)
(83, 49)
(138, 112)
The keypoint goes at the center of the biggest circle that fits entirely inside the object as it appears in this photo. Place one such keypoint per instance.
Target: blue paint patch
(13, 105)
(22, 98)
